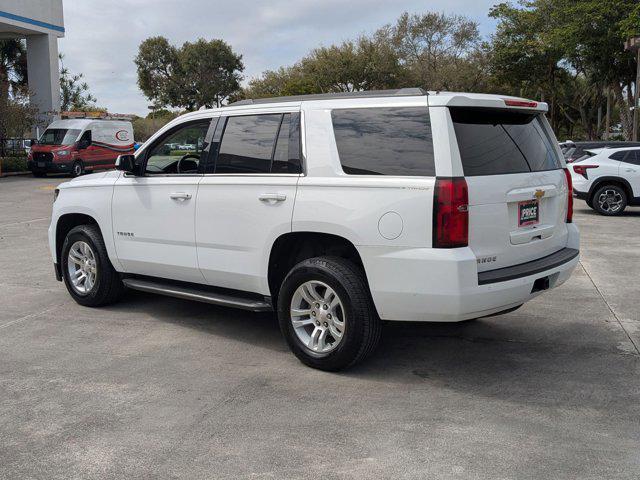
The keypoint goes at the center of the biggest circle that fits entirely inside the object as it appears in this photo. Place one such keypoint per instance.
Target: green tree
(570, 54)
(202, 73)
(437, 51)
(433, 51)
(74, 91)
(13, 87)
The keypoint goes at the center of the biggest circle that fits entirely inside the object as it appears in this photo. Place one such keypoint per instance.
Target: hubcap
(610, 200)
(77, 169)
(82, 267)
(317, 316)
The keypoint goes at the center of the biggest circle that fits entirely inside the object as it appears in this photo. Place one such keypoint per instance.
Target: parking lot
(156, 387)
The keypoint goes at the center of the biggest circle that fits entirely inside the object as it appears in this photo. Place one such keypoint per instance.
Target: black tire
(617, 192)
(77, 168)
(108, 287)
(362, 324)
(39, 174)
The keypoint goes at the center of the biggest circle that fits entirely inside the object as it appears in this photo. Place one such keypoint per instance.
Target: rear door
(246, 198)
(517, 188)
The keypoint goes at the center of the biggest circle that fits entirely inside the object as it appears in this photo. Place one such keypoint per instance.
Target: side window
(633, 157)
(179, 151)
(618, 156)
(85, 140)
(384, 141)
(247, 144)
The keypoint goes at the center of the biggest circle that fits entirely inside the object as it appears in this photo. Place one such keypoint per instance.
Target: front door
(247, 201)
(154, 214)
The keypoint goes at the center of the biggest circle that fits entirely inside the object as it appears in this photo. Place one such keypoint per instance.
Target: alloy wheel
(610, 201)
(318, 316)
(82, 267)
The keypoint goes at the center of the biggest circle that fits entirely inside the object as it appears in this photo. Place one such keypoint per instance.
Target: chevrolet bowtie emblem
(539, 194)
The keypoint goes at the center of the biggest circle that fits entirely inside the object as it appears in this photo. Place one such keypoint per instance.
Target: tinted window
(384, 141)
(618, 155)
(281, 154)
(495, 142)
(633, 157)
(179, 151)
(248, 144)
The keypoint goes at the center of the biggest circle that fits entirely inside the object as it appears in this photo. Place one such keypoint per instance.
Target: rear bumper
(443, 285)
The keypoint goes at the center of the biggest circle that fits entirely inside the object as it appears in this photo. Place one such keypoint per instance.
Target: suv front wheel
(609, 200)
(326, 313)
(87, 272)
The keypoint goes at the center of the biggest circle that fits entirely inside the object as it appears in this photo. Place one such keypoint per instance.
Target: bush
(13, 164)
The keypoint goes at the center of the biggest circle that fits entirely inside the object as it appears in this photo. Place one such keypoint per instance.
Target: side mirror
(126, 163)
(82, 144)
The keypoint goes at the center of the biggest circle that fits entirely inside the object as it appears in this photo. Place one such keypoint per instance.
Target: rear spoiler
(486, 101)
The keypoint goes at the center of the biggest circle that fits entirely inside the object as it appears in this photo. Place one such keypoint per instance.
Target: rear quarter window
(384, 141)
(497, 142)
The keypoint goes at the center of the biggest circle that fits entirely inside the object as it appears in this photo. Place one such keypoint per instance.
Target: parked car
(80, 145)
(574, 151)
(608, 179)
(338, 211)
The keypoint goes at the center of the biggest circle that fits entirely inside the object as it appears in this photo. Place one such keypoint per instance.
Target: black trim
(581, 195)
(198, 287)
(295, 145)
(529, 268)
(56, 269)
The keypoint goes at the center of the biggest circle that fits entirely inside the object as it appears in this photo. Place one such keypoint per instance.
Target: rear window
(497, 142)
(384, 141)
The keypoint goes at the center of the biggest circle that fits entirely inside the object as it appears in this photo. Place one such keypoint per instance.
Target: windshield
(59, 136)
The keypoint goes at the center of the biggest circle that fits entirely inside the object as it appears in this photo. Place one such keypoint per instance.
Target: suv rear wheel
(326, 313)
(609, 200)
(87, 272)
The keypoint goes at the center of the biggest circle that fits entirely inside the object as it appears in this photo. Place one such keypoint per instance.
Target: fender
(600, 180)
(87, 196)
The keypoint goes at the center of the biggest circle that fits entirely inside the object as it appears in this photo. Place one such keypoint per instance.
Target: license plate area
(528, 213)
(41, 164)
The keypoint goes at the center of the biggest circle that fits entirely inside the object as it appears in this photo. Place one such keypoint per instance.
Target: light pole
(633, 45)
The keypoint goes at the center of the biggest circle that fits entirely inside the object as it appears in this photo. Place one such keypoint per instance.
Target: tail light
(450, 213)
(582, 169)
(520, 103)
(567, 176)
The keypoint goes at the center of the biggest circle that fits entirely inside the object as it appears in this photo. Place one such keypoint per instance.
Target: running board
(198, 295)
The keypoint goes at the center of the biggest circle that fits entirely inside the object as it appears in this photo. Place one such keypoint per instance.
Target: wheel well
(64, 226)
(611, 181)
(292, 248)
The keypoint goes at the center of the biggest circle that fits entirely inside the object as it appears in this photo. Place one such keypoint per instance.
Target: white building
(41, 22)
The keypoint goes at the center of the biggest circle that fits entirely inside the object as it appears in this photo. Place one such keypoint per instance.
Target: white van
(75, 146)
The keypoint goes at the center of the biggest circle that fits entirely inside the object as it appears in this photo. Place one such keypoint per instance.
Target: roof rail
(95, 116)
(401, 92)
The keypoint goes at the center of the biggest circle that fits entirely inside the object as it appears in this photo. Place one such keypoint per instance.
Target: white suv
(338, 211)
(608, 179)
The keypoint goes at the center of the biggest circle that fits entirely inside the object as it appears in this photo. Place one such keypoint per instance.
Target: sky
(102, 38)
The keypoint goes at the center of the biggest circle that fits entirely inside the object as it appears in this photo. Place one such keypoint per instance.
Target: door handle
(272, 197)
(631, 169)
(182, 196)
